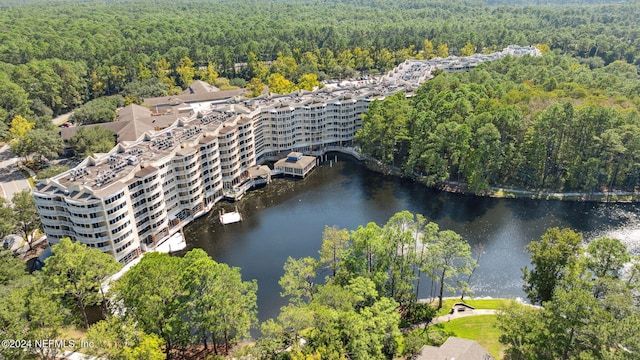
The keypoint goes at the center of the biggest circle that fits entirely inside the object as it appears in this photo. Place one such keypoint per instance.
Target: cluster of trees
(370, 287)
(20, 216)
(37, 306)
(100, 110)
(531, 123)
(163, 303)
(56, 55)
(589, 297)
(187, 300)
(36, 142)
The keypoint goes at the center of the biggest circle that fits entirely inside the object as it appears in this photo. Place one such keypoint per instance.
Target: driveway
(11, 179)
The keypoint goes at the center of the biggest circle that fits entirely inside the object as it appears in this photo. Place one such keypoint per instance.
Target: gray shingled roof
(455, 348)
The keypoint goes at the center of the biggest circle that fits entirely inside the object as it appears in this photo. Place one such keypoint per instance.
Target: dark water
(287, 218)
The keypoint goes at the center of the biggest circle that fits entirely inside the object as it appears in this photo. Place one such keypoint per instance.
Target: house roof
(199, 86)
(132, 121)
(455, 349)
(186, 98)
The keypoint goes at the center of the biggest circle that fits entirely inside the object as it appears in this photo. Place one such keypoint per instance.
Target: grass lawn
(492, 304)
(480, 328)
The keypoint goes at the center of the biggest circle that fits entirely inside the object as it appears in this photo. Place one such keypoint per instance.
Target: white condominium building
(131, 199)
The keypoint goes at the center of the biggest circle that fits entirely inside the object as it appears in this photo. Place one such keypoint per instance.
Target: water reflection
(287, 218)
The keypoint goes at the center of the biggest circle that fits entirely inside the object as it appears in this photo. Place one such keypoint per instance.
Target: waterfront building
(176, 160)
(295, 164)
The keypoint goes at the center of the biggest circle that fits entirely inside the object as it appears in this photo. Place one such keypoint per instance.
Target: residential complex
(176, 160)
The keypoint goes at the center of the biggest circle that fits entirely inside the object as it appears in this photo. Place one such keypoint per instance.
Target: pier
(230, 218)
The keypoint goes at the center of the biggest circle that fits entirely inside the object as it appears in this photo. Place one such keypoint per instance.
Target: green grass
(491, 304)
(481, 328)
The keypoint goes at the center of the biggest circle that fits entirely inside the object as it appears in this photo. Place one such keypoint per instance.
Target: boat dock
(230, 218)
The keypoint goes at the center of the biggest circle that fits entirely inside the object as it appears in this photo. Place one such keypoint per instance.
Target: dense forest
(532, 123)
(566, 121)
(56, 55)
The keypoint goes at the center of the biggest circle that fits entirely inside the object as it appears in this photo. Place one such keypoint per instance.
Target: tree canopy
(589, 304)
(545, 123)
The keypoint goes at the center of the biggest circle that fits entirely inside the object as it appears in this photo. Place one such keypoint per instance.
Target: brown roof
(174, 100)
(199, 86)
(455, 348)
(133, 112)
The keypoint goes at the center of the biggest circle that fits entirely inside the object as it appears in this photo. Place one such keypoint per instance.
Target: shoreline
(509, 193)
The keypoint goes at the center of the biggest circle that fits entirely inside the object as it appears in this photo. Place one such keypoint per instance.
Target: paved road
(11, 179)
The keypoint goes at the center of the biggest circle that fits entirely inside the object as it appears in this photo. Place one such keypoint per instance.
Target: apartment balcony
(160, 222)
(46, 212)
(143, 225)
(124, 251)
(157, 211)
(119, 212)
(228, 147)
(60, 233)
(81, 220)
(47, 202)
(79, 210)
(121, 232)
(151, 203)
(119, 222)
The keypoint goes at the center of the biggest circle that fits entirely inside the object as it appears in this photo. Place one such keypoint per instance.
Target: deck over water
(230, 218)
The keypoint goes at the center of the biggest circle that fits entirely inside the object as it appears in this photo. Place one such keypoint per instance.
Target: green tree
(26, 216)
(385, 131)
(333, 248)
(150, 294)
(449, 257)
(5, 134)
(606, 257)
(12, 270)
(551, 257)
(298, 281)
(14, 100)
(143, 88)
(7, 223)
(78, 272)
(44, 144)
(187, 300)
(96, 111)
(28, 312)
(221, 306)
(119, 339)
(88, 141)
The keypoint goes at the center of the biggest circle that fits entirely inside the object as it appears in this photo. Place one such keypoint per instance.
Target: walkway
(455, 315)
(460, 314)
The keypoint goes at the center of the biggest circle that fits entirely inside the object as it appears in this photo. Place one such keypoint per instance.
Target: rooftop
(455, 349)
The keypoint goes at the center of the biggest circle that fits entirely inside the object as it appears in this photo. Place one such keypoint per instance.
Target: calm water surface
(287, 218)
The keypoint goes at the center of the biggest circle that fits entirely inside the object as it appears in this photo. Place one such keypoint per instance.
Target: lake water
(287, 217)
